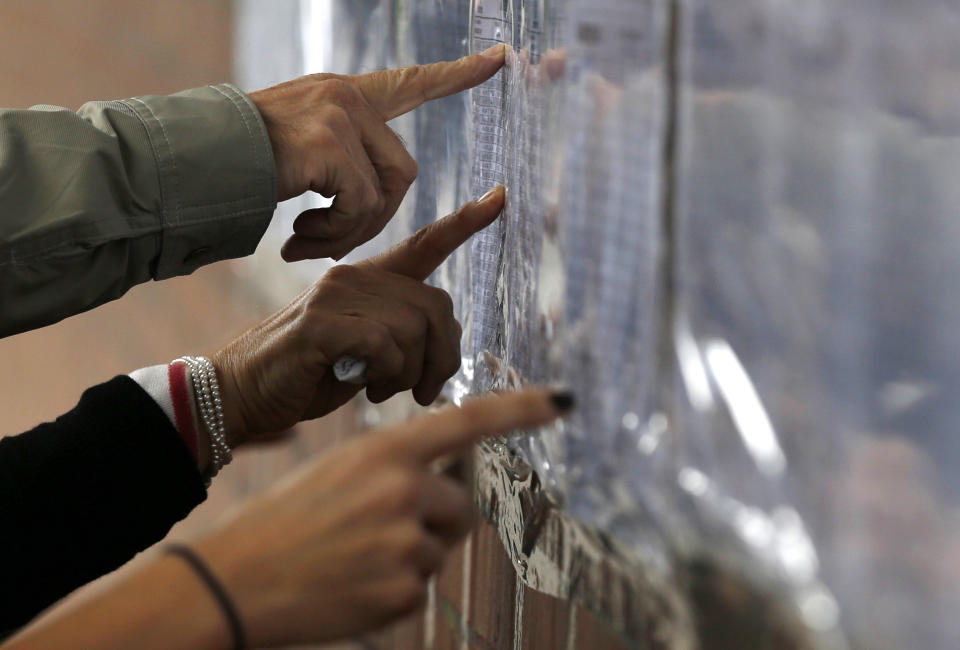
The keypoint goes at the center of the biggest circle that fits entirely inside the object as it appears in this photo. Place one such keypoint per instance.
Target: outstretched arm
(96, 201)
(118, 193)
(82, 495)
(345, 547)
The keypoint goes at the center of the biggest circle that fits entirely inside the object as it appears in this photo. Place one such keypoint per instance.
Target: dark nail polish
(563, 400)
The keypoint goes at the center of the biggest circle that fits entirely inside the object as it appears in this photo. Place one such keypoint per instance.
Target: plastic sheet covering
(731, 229)
(817, 309)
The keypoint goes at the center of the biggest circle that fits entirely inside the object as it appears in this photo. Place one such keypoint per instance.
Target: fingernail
(489, 195)
(563, 400)
(493, 52)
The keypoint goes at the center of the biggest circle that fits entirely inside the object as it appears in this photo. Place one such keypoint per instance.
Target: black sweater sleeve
(81, 496)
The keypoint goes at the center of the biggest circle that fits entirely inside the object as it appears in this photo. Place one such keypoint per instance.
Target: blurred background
(65, 53)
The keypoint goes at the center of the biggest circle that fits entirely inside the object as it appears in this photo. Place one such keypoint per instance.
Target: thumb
(395, 92)
(420, 254)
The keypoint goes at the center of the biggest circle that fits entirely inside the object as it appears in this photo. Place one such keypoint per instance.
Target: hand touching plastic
(350, 543)
(379, 310)
(344, 547)
(329, 135)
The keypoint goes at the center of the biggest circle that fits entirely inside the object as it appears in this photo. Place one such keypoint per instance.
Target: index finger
(453, 429)
(395, 92)
(420, 254)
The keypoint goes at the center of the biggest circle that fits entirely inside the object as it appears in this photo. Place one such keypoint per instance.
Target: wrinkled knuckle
(311, 320)
(317, 294)
(337, 119)
(313, 294)
(418, 324)
(415, 72)
(335, 89)
(341, 274)
(415, 77)
(375, 339)
(325, 137)
(379, 78)
(373, 199)
(423, 241)
(416, 239)
(411, 325)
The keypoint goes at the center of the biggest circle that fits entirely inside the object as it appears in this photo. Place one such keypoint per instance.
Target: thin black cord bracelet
(219, 593)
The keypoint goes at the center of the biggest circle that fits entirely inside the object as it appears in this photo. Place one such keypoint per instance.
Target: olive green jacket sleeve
(118, 193)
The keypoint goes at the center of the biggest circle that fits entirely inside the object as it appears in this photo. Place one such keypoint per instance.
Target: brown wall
(65, 52)
(497, 613)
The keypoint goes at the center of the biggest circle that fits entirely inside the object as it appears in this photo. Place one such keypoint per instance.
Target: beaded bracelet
(206, 389)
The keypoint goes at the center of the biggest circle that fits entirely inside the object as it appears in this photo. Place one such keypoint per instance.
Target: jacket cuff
(155, 382)
(217, 175)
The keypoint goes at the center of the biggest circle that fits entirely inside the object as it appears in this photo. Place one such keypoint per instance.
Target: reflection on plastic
(731, 229)
(749, 416)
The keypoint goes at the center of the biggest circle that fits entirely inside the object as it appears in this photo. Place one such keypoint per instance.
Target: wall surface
(479, 603)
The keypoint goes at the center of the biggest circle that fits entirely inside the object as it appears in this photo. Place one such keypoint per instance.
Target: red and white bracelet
(181, 398)
(206, 391)
(187, 392)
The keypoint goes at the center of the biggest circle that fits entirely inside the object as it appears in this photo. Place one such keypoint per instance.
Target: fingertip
(427, 395)
(299, 248)
(325, 224)
(486, 64)
(559, 402)
(495, 53)
(563, 400)
(533, 406)
(497, 195)
(488, 207)
(378, 394)
(287, 255)
(298, 226)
